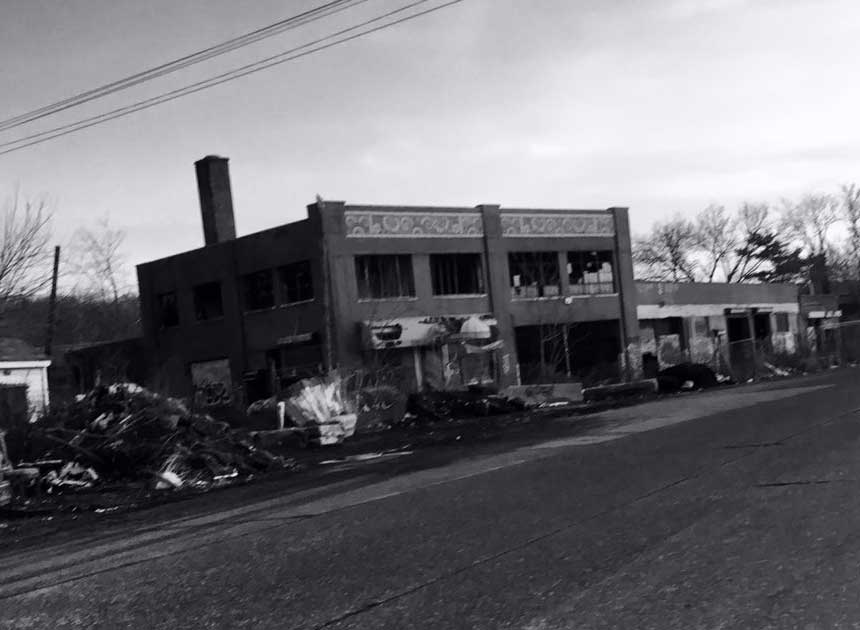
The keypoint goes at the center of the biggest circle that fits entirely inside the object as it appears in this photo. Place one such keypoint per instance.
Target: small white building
(22, 364)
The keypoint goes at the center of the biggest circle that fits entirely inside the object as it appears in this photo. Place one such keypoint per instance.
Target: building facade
(445, 297)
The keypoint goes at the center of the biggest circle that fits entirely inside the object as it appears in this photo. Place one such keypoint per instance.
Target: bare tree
(99, 262)
(751, 227)
(851, 215)
(24, 253)
(668, 252)
(809, 220)
(717, 238)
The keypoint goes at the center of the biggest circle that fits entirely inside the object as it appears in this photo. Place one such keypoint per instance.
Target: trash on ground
(438, 406)
(324, 406)
(126, 433)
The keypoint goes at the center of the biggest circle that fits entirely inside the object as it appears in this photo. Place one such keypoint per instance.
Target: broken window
(168, 311)
(590, 273)
(534, 274)
(457, 274)
(207, 301)
(259, 290)
(296, 283)
(382, 276)
(781, 322)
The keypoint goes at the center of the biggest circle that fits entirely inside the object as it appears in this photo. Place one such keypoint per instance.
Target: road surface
(728, 509)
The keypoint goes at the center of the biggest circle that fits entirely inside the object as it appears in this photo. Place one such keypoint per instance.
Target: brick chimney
(216, 200)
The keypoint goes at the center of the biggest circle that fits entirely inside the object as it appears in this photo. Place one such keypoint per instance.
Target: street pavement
(733, 508)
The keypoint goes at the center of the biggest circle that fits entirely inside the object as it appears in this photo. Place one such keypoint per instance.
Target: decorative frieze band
(556, 224)
(363, 224)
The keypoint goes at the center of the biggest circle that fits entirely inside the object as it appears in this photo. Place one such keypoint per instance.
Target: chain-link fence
(818, 348)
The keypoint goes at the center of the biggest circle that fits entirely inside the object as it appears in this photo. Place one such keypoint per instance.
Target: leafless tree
(809, 221)
(668, 252)
(98, 261)
(851, 215)
(717, 238)
(752, 224)
(25, 267)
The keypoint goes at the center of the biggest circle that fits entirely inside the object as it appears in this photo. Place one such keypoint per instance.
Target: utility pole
(52, 305)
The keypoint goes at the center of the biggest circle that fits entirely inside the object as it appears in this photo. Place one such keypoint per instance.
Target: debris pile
(436, 406)
(323, 407)
(127, 433)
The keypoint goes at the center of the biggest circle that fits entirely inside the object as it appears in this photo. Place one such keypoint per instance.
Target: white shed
(22, 364)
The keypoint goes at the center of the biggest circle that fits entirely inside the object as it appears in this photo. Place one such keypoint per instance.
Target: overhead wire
(263, 64)
(320, 12)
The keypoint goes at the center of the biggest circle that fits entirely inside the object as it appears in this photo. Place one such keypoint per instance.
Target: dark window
(456, 274)
(168, 312)
(259, 290)
(384, 276)
(207, 301)
(296, 283)
(534, 274)
(781, 322)
(590, 272)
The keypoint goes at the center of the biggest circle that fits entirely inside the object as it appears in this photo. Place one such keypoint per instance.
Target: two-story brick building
(449, 296)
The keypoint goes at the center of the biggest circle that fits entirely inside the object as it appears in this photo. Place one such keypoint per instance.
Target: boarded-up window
(381, 276)
(207, 301)
(534, 274)
(457, 274)
(296, 283)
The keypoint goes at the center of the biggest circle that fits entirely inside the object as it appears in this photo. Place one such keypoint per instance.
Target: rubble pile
(436, 406)
(323, 407)
(125, 432)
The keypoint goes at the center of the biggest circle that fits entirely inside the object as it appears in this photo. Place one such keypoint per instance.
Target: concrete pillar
(499, 291)
(631, 350)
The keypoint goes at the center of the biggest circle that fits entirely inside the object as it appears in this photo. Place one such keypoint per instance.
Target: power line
(322, 11)
(237, 73)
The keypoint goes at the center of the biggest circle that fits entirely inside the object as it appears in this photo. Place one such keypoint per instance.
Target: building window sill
(591, 295)
(455, 296)
(389, 299)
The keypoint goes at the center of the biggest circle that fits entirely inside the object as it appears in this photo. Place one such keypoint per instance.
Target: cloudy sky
(660, 105)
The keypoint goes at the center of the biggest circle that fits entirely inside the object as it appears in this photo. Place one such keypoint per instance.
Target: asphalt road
(728, 509)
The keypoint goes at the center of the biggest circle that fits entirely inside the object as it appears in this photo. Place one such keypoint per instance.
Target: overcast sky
(660, 105)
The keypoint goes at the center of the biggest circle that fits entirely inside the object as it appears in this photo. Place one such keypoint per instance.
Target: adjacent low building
(723, 325)
(443, 297)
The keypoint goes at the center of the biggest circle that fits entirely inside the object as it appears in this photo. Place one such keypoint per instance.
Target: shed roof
(13, 349)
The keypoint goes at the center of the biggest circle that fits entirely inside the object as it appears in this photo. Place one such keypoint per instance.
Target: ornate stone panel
(369, 224)
(557, 224)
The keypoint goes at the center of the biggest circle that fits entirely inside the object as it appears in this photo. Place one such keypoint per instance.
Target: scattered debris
(324, 407)
(450, 405)
(777, 371)
(126, 433)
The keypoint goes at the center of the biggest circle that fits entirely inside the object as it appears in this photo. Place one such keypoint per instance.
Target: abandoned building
(443, 296)
(723, 325)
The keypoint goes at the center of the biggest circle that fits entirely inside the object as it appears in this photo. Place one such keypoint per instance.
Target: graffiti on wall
(212, 383)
